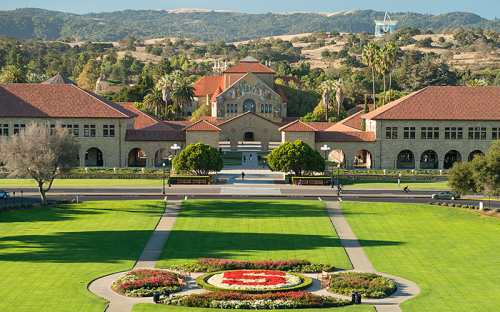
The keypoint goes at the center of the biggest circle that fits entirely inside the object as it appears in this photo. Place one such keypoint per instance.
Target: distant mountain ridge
(31, 23)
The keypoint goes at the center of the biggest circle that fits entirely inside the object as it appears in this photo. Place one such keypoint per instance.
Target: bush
(430, 203)
(214, 265)
(437, 203)
(369, 285)
(145, 282)
(444, 204)
(201, 282)
(451, 205)
(231, 300)
(496, 210)
(23, 205)
(29, 205)
(73, 201)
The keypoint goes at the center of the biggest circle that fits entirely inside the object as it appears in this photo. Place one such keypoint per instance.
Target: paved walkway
(360, 262)
(151, 254)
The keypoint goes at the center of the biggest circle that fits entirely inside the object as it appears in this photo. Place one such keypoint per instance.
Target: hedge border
(201, 282)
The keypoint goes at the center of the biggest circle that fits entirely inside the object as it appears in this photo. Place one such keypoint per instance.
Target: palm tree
(13, 74)
(382, 65)
(166, 84)
(392, 50)
(154, 99)
(339, 95)
(183, 93)
(327, 87)
(370, 58)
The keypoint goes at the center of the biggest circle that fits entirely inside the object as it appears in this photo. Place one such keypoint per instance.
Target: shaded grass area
(412, 185)
(451, 254)
(232, 158)
(83, 182)
(253, 230)
(148, 307)
(49, 256)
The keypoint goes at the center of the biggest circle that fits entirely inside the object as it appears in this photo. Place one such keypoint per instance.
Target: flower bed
(214, 265)
(369, 285)
(253, 281)
(231, 300)
(143, 283)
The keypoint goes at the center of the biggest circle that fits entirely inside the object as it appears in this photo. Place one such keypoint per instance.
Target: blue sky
(486, 8)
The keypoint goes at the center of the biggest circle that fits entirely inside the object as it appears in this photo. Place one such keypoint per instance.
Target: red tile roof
(280, 93)
(145, 121)
(320, 126)
(254, 67)
(154, 135)
(443, 103)
(202, 125)
(210, 119)
(359, 108)
(297, 126)
(217, 92)
(208, 85)
(56, 100)
(289, 119)
(345, 136)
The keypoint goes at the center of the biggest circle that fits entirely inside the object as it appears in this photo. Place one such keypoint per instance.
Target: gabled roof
(59, 79)
(202, 125)
(256, 78)
(280, 93)
(244, 114)
(345, 136)
(208, 85)
(245, 66)
(56, 100)
(443, 103)
(145, 121)
(297, 126)
(217, 92)
(359, 108)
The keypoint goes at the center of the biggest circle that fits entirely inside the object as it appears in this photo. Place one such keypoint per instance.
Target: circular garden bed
(145, 282)
(369, 285)
(253, 281)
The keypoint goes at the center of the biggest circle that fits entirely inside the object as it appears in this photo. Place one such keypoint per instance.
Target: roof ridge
(296, 122)
(391, 105)
(201, 121)
(98, 98)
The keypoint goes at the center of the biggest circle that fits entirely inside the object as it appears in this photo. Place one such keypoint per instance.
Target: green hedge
(323, 178)
(200, 281)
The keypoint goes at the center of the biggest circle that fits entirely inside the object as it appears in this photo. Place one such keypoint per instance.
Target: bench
(309, 182)
(184, 181)
(316, 182)
(199, 181)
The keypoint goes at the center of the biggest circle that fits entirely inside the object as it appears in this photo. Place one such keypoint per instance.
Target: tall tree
(340, 85)
(166, 84)
(199, 158)
(40, 152)
(13, 74)
(370, 52)
(183, 94)
(89, 75)
(392, 51)
(154, 100)
(382, 65)
(296, 157)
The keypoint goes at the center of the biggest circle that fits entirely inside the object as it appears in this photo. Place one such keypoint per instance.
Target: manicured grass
(253, 230)
(232, 161)
(451, 254)
(412, 185)
(49, 256)
(83, 182)
(148, 307)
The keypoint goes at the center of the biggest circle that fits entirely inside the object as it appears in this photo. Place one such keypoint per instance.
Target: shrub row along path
(151, 253)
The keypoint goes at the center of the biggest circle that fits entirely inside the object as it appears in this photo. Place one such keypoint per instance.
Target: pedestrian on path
(250, 157)
(242, 175)
(244, 158)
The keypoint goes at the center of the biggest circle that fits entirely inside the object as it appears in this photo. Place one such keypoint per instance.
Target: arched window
(228, 108)
(235, 108)
(266, 108)
(232, 107)
(261, 108)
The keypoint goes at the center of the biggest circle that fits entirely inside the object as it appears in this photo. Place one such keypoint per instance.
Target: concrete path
(360, 262)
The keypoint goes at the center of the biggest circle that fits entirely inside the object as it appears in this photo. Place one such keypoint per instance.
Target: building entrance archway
(136, 158)
(406, 160)
(248, 136)
(429, 160)
(363, 159)
(93, 157)
(474, 153)
(450, 158)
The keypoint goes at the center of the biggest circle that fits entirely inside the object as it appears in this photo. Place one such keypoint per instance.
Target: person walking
(244, 158)
(250, 157)
(242, 175)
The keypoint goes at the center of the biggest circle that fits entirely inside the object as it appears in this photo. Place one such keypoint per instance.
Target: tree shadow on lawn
(255, 209)
(195, 244)
(75, 247)
(67, 212)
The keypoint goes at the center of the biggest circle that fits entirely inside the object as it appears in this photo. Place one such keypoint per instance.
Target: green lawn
(148, 307)
(253, 230)
(232, 158)
(83, 182)
(412, 185)
(452, 254)
(49, 256)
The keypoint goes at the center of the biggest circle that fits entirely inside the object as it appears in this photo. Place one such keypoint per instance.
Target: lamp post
(326, 149)
(163, 164)
(338, 179)
(170, 170)
(174, 147)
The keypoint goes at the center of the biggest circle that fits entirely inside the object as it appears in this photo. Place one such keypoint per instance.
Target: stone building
(428, 129)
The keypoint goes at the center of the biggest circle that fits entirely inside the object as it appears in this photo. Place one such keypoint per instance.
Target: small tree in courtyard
(200, 158)
(41, 153)
(297, 157)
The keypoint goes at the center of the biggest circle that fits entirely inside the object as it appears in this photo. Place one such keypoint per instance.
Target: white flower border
(291, 281)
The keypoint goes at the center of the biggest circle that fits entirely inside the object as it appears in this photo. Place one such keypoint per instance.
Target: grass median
(95, 183)
(393, 185)
(147, 307)
(451, 254)
(253, 230)
(49, 256)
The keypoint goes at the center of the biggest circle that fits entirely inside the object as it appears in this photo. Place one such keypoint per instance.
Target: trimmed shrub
(369, 285)
(444, 204)
(437, 203)
(201, 282)
(451, 205)
(73, 201)
(145, 282)
(430, 203)
(231, 300)
(29, 205)
(496, 210)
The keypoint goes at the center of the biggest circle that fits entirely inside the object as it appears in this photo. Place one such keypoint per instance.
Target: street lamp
(163, 164)
(169, 171)
(327, 149)
(338, 179)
